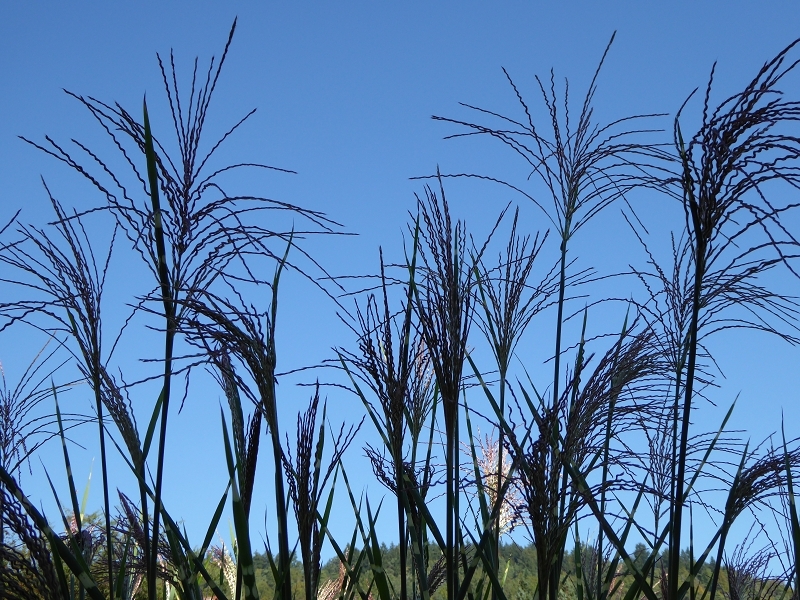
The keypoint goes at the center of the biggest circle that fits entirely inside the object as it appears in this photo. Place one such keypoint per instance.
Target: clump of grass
(393, 363)
(725, 168)
(507, 305)
(63, 270)
(307, 478)
(585, 168)
(188, 231)
(26, 564)
(444, 302)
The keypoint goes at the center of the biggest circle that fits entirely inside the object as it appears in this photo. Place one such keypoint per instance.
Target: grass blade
(795, 523)
(73, 494)
(245, 555)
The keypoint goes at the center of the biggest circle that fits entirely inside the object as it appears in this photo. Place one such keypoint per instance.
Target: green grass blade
(245, 555)
(324, 518)
(727, 520)
(481, 490)
(212, 526)
(58, 565)
(711, 446)
(73, 494)
(65, 521)
(169, 314)
(610, 574)
(379, 426)
(151, 427)
(373, 547)
(85, 497)
(356, 505)
(579, 574)
(158, 227)
(795, 523)
(693, 573)
(352, 569)
(184, 590)
(479, 557)
(273, 567)
(608, 530)
(122, 569)
(318, 453)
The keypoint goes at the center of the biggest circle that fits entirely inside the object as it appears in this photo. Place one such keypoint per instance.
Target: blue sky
(344, 93)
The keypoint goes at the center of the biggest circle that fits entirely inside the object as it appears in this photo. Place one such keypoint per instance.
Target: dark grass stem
(169, 342)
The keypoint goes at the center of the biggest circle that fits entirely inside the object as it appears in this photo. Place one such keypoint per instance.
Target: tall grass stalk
(388, 363)
(508, 303)
(25, 427)
(724, 167)
(444, 304)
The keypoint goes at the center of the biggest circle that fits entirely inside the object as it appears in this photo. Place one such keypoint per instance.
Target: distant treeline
(518, 574)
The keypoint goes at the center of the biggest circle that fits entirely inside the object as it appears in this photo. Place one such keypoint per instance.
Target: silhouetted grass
(609, 433)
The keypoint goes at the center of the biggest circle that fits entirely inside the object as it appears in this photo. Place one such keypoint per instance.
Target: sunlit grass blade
(85, 497)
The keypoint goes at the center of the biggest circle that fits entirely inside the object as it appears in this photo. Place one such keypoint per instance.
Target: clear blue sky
(344, 93)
